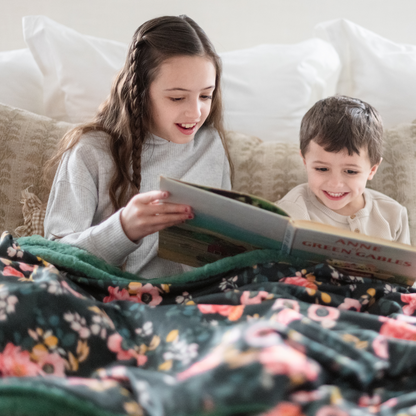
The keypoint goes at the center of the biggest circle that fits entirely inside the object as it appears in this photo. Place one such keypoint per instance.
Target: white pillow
(268, 88)
(21, 81)
(374, 69)
(78, 70)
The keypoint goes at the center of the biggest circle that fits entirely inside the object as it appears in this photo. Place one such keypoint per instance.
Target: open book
(227, 223)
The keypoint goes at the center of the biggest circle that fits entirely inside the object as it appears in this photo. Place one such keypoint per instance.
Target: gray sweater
(79, 208)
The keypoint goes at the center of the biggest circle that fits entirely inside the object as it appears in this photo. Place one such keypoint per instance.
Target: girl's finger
(150, 197)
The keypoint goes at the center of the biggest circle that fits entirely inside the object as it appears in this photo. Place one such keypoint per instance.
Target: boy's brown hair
(341, 122)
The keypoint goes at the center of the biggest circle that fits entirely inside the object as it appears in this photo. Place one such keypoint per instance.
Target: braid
(136, 110)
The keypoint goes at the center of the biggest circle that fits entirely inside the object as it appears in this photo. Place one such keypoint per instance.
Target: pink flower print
(209, 362)
(16, 363)
(114, 345)
(262, 334)
(10, 271)
(285, 409)
(233, 313)
(299, 281)
(398, 329)
(380, 347)
(26, 267)
(52, 364)
(409, 298)
(116, 294)
(72, 291)
(286, 303)
(149, 295)
(331, 411)
(282, 359)
(350, 305)
(286, 316)
(247, 300)
(323, 314)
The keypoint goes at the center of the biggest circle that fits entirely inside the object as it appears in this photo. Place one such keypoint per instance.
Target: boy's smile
(338, 180)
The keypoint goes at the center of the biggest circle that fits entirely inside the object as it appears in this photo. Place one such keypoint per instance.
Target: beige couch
(265, 169)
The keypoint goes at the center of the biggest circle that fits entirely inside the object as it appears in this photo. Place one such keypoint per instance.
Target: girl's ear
(374, 170)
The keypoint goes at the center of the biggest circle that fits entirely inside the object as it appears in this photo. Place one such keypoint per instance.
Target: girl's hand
(144, 214)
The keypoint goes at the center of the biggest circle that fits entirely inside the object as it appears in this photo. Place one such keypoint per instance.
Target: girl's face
(181, 97)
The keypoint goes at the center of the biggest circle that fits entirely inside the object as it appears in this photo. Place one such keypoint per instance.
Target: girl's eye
(351, 172)
(321, 169)
(206, 97)
(174, 99)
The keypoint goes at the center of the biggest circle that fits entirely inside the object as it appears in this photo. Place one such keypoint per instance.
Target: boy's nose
(335, 181)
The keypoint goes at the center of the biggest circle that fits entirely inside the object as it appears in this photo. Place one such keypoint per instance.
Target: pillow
(268, 88)
(22, 82)
(78, 70)
(27, 140)
(374, 69)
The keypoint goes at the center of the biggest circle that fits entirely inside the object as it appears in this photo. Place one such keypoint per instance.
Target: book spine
(288, 238)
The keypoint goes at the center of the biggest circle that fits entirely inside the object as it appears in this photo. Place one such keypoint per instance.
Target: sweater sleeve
(403, 235)
(71, 210)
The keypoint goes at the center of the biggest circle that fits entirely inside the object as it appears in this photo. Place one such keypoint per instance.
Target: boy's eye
(351, 172)
(321, 169)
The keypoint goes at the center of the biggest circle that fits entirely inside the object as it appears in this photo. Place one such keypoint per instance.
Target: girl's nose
(193, 110)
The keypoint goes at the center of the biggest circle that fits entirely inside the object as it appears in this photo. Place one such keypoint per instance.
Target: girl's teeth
(187, 126)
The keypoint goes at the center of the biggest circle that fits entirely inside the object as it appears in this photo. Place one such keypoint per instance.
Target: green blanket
(254, 334)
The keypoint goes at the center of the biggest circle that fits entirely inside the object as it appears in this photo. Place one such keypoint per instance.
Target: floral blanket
(254, 335)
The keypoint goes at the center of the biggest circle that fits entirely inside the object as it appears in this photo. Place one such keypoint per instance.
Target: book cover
(227, 223)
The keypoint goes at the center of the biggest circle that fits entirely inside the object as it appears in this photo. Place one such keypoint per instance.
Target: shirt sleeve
(70, 214)
(403, 236)
(226, 175)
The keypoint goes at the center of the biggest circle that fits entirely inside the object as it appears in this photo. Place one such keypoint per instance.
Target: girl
(163, 116)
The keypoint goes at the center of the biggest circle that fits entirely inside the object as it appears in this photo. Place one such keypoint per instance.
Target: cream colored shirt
(381, 217)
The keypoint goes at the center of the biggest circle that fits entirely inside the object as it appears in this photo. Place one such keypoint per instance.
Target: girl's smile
(181, 97)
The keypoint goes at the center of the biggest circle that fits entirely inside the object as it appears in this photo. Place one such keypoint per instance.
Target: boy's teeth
(335, 194)
(187, 126)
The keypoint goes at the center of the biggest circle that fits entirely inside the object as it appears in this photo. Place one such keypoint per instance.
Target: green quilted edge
(65, 255)
(20, 400)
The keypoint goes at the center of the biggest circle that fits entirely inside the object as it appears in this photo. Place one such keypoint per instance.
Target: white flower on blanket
(181, 351)
(184, 299)
(78, 324)
(228, 284)
(7, 303)
(14, 251)
(146, 329)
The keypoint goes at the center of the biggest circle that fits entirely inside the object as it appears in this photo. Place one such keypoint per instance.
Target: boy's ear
(374, 170)
(300, 153)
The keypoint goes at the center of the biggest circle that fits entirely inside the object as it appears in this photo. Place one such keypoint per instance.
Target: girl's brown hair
(126, 114)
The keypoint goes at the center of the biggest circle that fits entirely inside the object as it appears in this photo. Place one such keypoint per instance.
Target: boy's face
(337, 179)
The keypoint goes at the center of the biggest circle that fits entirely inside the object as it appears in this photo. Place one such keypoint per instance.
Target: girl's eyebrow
(183, 89)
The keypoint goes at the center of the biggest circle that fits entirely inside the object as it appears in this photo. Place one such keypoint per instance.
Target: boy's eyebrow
(352, 165)
(183, 89)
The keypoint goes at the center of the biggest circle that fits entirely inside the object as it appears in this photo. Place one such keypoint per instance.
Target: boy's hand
(146, 214)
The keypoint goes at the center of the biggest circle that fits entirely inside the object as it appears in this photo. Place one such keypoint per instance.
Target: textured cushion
(27, 140)
(268, 170)
(265, 169)
(396, 176)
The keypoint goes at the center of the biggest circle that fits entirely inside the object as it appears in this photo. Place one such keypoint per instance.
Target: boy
(341, 144)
